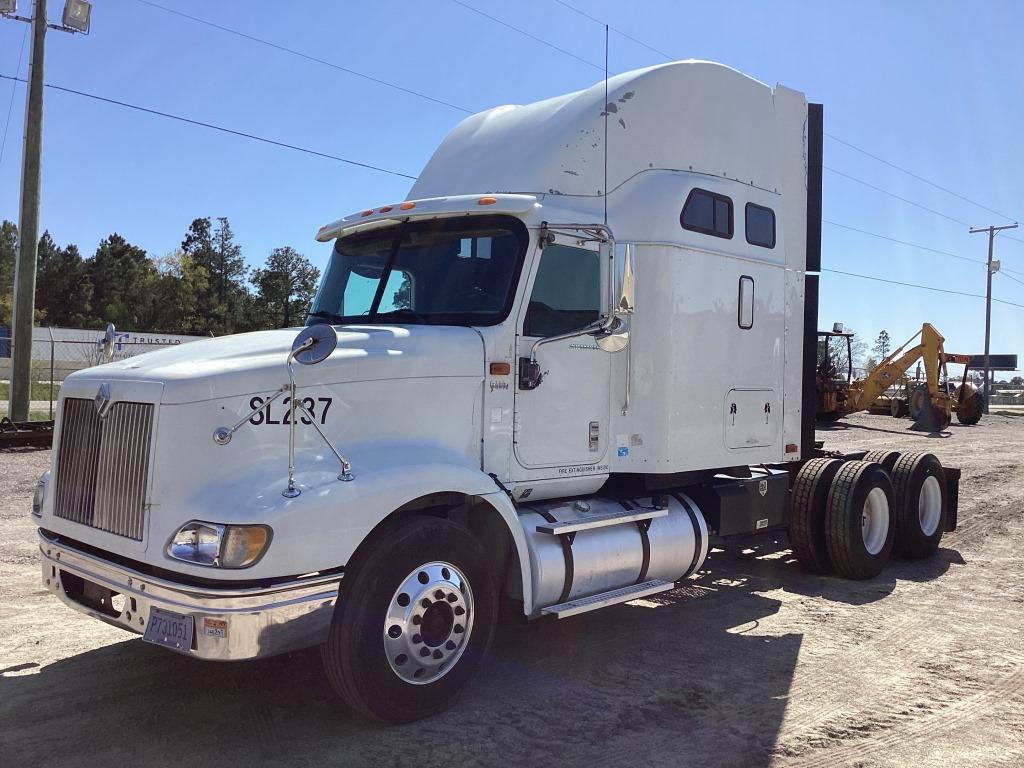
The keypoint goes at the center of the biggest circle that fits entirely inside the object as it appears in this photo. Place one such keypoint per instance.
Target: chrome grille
(103, 466)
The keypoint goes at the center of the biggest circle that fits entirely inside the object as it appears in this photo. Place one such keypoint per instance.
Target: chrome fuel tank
(610, 543)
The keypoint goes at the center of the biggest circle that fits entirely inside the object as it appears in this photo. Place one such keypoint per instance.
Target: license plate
(169, 629)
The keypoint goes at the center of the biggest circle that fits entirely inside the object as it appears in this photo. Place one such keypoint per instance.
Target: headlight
(219, 546)
(40, 494)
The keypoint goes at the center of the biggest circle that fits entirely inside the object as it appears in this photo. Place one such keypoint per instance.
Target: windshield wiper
(333, 318)
(403, 312)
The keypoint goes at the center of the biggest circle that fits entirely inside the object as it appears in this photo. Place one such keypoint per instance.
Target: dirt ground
(752, 663)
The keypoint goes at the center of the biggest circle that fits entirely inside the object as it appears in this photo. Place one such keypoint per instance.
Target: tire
(858, 520)
(919, 486)
(887, 459)
(807, 514)
(897, 408)
(972, 405)
(372, 654)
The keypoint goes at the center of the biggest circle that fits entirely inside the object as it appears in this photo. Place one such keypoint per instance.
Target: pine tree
(882, 345)
(285, 287)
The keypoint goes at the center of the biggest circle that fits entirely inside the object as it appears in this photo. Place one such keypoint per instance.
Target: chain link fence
(59, 352)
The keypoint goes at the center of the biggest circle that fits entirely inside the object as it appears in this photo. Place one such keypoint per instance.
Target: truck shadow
(695, 676)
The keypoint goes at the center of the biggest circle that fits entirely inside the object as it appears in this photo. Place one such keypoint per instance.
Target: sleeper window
(708, 213)
(760, 225)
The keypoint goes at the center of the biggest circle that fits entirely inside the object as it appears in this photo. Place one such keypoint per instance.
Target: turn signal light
(500, 369)
(792, 447)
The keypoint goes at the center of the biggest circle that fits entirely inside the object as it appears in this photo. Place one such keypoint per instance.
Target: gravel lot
(752, 663)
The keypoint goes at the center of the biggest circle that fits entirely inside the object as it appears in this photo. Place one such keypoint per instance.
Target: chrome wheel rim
(874, 527)
(428, 624)
(929, 505)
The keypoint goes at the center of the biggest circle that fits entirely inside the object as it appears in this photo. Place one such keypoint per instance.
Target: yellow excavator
(838, 396)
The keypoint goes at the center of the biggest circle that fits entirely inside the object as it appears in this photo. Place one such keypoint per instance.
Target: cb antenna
(606, 125)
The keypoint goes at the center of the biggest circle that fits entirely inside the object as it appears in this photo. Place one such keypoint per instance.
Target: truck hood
(246, 363)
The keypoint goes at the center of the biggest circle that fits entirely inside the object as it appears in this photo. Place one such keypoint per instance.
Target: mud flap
(952, 496)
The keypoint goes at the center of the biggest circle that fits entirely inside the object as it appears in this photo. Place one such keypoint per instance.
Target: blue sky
(934, 87)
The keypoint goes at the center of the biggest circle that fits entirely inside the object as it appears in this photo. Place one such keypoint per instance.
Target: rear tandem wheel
(858, 520)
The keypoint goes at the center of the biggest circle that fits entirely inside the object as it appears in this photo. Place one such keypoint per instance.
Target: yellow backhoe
(840, 396)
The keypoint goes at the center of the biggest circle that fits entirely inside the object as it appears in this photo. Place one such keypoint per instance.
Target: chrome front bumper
(230, 624)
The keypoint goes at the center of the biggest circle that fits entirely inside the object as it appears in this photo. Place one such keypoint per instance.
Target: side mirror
(107, 343)
(314, 344)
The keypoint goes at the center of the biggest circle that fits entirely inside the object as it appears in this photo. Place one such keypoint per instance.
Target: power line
(902, 242)
(616, 30)
(922, 287)
(916, 176)
(10, 104)
(1011, 277)
(306, 56)
(214, 127)
(533, 37)
(894, 195)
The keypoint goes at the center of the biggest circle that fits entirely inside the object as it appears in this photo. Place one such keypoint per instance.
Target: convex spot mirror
(314, 344)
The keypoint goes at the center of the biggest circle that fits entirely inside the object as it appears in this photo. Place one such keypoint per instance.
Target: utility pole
(28, 225)
(76, 19)
(990, 267)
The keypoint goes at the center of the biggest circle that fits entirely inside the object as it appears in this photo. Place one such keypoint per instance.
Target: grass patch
(39, 390)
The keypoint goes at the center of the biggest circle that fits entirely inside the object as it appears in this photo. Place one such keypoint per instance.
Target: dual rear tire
(849, 517)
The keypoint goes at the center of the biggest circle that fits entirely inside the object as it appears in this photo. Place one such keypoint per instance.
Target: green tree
(284, 287)
(213, 249)
(177, 286)
(122, 277)
(63, 289)
(8, 255)
(883, 345)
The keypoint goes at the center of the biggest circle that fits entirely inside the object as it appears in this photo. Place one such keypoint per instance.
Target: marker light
(367, 213)
(407, 206)
(386, 208)
(487, 201)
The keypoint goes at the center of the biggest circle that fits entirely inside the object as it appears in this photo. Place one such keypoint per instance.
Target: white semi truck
(583, 345)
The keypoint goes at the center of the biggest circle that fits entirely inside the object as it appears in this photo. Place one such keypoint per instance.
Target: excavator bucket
(934, 415)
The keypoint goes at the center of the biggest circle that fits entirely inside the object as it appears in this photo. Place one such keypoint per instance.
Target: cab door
(564, 420)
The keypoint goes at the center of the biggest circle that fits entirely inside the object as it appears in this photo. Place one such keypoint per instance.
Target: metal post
(986, 381)
(50, 329)
(28, 225)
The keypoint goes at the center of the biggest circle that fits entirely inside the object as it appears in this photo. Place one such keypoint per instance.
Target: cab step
(599, 521)
(603, 600)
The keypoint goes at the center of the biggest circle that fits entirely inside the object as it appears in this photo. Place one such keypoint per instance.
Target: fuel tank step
(601, 520)
(604, 599)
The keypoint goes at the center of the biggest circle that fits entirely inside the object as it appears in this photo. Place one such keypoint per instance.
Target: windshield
(447, 271)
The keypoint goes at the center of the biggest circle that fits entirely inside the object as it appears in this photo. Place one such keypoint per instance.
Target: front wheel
(414, 619)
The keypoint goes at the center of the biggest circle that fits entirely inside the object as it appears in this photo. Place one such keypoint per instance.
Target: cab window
(566, 292)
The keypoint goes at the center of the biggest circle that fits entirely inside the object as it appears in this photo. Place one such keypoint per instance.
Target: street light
(76, 15)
